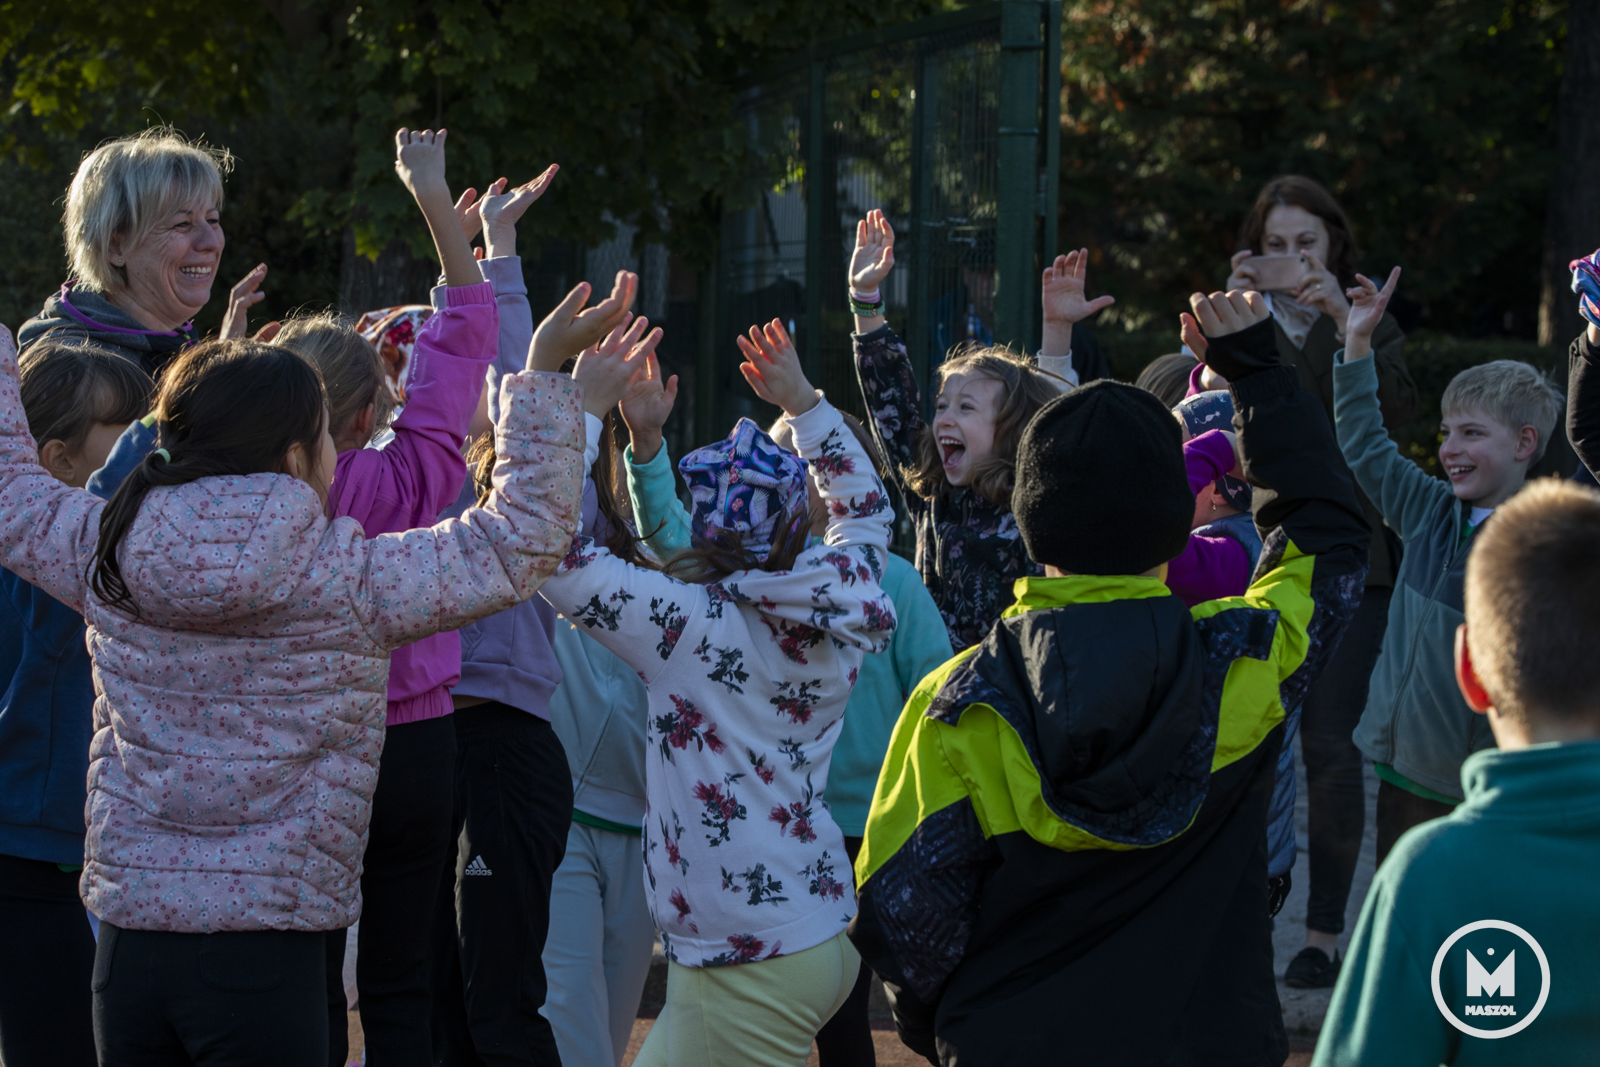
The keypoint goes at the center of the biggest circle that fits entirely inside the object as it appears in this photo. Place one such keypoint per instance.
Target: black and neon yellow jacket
(1065, 860)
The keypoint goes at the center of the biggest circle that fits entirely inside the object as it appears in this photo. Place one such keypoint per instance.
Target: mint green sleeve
(1382, 1011)
(654, 493)
(921, 643)
(1407, 496)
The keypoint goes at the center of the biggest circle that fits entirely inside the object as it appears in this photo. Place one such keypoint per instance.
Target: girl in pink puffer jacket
(241, 648)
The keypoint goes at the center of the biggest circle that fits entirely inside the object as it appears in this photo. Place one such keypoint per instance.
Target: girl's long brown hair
(1027, 389)
(231, 407)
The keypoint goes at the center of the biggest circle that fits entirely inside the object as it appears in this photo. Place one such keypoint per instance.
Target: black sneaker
(1312, 969)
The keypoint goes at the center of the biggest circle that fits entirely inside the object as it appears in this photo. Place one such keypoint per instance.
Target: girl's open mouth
(952, 449)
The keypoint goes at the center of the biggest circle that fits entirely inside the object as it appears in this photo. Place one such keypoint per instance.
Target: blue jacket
(47, 710)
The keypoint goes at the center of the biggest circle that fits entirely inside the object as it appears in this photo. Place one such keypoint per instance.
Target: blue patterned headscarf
(1214, 411)
(743, 483)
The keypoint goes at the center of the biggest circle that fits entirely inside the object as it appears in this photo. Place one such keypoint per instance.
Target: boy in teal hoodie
(1478, 942)
(1495, 422)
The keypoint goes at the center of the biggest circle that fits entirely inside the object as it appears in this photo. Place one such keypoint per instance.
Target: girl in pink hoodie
(241, 647)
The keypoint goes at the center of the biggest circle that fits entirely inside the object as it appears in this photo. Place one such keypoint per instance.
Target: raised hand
(1232, 312)
(1367, 305)
(607, 370)
(1234, 348)
(772, 367)
(501, 210)
(419, 160)
(646, 407)
(570, 327)
(873, 258)
(468, 208)
(1062, 290)
(241, 298)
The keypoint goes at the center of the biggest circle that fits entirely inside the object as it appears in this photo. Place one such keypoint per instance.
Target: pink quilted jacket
(238, 721)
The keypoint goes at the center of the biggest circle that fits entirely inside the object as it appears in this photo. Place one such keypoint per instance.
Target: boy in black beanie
(1065, 861)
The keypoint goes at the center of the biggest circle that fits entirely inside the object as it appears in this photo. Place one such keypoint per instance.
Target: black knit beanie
(1101, 485)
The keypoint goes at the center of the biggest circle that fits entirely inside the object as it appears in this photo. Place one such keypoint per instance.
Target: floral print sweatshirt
(969, 551)
(747, 680)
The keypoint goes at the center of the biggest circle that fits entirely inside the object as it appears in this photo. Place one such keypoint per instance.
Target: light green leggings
(762, 1014)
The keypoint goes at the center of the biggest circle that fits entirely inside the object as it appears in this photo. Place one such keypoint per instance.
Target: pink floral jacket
(239, 719)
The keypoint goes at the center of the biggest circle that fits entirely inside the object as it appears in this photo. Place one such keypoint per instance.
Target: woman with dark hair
(1294, 215)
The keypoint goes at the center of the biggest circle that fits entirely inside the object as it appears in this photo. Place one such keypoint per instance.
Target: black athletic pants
(209, 1000)
(406, 849)
(1399, 810)
(846, 1039)
(1335, 790)
(46, 960)
(513, 805)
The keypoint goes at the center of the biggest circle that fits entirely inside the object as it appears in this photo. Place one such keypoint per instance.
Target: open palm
(1063, 285)
(873, 258)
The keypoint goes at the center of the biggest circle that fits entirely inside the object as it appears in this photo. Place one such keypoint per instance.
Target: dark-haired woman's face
(1295, 231)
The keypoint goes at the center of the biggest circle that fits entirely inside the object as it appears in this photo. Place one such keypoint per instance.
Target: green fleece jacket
(920, 645)
(1415, 720)
(1524, 850)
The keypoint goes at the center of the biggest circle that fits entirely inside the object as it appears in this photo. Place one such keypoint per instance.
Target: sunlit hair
(714, 557)
(1514, 394)
(231, 407)
(1027, 389)
(129, 186)
(1295, 190)
(69, 386)
(1533, 602)
(352, 372)
(1167, 377)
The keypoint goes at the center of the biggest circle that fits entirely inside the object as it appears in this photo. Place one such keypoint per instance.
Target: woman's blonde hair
(1027, 389)
(351, 371)
(125, 188)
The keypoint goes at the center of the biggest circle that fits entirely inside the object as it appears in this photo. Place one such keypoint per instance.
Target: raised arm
(420, 473)
(883, 367)
(662, 519)
(1314, 559)
(48, 530)
(424, 581)
(849, 603)
(1062, 295)
(1406, 496)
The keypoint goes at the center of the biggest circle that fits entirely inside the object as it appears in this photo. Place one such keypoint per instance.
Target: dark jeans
(1399, 810)
(46, 960)
(228, 999)
(846, 1039)
(406, 849)
(1335, 792)
(513, 805)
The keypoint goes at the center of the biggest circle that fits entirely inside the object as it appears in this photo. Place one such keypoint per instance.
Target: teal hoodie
(1415, 720)
(1523, 849)
(920, 646)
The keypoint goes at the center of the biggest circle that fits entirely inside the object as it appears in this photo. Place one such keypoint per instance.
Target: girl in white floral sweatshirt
(749, 645)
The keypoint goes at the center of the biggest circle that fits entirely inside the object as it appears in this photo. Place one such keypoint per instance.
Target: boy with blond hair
(1496, 420)
(1429, 980)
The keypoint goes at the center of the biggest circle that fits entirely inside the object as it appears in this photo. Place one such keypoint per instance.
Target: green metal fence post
(817, 173)
(924, 134)
(708, 389)
(1050, 130)
(1022, 50)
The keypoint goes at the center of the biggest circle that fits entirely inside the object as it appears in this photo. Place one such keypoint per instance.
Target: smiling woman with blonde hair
(144, 238)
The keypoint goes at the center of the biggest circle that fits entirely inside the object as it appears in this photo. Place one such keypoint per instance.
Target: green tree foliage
(1431, 121)
(634, 98)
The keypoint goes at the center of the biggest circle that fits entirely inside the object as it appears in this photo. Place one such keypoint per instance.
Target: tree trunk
(1572, 222)
(395, 277)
